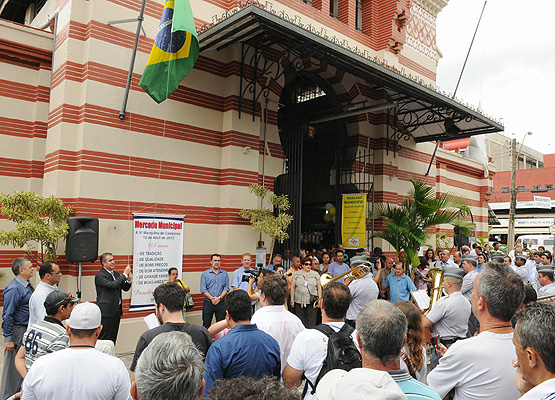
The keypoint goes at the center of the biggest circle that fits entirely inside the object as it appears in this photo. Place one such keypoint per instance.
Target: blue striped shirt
(413, 389)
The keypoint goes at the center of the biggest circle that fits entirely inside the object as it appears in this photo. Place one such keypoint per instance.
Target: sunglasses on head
(68, 299)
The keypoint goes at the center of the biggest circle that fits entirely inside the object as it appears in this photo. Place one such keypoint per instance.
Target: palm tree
(405, 225)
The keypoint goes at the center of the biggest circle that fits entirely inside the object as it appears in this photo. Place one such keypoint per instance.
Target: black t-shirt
(199, 334)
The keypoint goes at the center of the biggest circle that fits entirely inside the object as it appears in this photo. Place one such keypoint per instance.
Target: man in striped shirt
(48, 335)
(381, 331)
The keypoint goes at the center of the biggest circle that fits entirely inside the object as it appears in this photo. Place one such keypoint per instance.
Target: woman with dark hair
(325, 261)
(421, 274)
(430, 256)
(413, 355)
(305, 290)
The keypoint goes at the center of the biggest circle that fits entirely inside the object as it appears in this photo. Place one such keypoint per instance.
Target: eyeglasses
(307, 263)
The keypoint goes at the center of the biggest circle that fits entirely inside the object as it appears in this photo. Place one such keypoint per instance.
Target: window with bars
(308, 92)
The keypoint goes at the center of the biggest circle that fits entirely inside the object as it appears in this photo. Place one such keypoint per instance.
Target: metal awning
(420, 112)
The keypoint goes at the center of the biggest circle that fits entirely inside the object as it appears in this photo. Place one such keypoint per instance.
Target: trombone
(357, 272)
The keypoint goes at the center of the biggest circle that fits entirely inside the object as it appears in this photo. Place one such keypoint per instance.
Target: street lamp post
(512, 208)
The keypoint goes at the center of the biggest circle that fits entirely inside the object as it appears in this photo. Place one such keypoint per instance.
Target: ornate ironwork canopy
(273, 40)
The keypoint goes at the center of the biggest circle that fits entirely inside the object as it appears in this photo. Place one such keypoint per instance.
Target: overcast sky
(511, 68)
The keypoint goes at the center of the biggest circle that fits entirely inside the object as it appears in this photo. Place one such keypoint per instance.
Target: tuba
(436, 275)
(357, 272)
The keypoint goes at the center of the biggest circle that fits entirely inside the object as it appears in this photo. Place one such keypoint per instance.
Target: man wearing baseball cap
(80, 371)
(449, 316)
(48, 335)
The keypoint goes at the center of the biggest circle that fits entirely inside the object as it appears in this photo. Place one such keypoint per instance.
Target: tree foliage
(37, 220)
(262, 219)
(405, 225)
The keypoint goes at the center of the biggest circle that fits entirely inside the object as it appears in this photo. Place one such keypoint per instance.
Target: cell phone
(435, 340)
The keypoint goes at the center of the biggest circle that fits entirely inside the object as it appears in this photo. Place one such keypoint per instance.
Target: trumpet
(360, 271)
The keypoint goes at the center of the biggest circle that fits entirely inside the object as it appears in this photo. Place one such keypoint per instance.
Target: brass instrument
(546, 298)
(360, 271)
(436, 275)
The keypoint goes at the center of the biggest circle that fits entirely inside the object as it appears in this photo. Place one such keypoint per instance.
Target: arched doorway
(314, 152)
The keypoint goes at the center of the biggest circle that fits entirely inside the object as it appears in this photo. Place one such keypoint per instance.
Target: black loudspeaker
(459, 238)
(82, 239)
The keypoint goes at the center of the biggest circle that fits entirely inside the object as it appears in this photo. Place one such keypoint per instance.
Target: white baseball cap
(85, 316)
(358, 383)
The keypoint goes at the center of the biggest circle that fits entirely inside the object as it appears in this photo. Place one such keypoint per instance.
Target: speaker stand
(79, 283)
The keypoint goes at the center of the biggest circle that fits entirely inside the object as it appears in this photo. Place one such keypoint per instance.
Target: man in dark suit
(109, 285)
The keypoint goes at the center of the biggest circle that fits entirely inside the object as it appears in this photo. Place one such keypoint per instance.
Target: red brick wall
(527, 178)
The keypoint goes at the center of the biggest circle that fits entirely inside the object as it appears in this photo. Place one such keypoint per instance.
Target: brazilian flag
(174, 52)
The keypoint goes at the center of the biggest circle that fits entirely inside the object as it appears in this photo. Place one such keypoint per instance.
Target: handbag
(189, 302)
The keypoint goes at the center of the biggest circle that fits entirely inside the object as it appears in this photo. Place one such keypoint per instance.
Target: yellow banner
(353, 221)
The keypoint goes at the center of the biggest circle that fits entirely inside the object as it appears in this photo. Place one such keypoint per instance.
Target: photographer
(257, 276)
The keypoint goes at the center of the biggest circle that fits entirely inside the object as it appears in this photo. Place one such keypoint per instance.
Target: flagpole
(140, 19)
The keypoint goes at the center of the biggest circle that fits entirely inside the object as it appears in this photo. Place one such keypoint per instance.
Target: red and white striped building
(193, 154)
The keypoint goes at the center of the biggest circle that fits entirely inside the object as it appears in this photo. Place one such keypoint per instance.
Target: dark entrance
(314, 152)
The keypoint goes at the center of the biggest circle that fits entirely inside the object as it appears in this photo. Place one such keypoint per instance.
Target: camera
(253, 273)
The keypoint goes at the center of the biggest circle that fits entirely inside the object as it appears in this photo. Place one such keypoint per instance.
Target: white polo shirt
(479, 368)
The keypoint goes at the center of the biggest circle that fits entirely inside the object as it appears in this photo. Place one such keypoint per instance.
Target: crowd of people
(287, 333)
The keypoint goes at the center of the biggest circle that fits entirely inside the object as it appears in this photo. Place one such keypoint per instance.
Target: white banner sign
(527, 222)
(542, 202)
(157, 246)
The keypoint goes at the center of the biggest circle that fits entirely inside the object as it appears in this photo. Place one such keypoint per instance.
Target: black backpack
(342, 353)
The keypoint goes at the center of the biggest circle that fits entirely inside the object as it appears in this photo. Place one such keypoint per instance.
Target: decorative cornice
(25, 52)
(432, 6)
(344, 43)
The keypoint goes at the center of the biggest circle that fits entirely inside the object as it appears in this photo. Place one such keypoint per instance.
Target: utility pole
(512, 208)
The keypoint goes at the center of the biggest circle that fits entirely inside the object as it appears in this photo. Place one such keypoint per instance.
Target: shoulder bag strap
(407, 361)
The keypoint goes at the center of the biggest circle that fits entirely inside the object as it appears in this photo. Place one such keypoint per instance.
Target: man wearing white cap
(80, 371)
(342, 385)
(381, 331)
